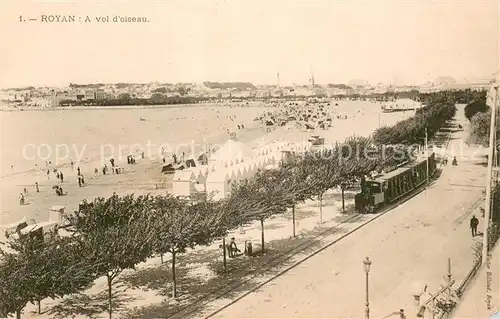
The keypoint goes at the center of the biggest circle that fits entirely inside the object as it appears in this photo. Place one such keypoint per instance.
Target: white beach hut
(232, 176)
(183, 182)
(203, 169)
(260, 162)
(211, 168)
(250, 168)
(230, 151)
(246, 169)
(202, 176)
(239, 171)
(217, 184)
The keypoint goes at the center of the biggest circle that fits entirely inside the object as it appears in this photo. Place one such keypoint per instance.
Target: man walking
(473, 225)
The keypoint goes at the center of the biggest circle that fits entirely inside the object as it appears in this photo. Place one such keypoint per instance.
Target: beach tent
(201, 176)
(217, 184)
(203, 169)
(260, 162)
(16, 226)
(203, 158)
(249, 168)
(241, 169)
(232, 176)
(211, 167)
(41, 230)
(274, 157)
(168, 169)
(190, 163)
(183, 183)
(57, 213)
(232, 149)
(245, 170)
(255, 165)
(200, 191)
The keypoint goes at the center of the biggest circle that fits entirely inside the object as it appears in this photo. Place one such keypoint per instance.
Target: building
(100, 95)
(90, 95)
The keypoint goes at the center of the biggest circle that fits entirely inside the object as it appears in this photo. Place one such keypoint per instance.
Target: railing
(468, 279)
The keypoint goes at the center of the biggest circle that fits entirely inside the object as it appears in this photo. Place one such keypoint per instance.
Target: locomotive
(392, 186)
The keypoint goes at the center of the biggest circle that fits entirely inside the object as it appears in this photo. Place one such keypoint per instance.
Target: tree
(432, 117)
(321, 169)
(297, 184)
(475, 107)
(123, 223)
(479, 130)
(14, 291)
(181, 225)
(124, 96)
(37, 263)
(261, 197)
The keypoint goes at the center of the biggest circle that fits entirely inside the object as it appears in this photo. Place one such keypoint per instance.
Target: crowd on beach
(231, 124)
(307, 115)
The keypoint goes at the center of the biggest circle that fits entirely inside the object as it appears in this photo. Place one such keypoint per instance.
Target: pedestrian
(58, 176)
(233, 249)
(474, 222)
(72, 164)
(61, 176)
(36, 186)
(48, 174)
(78, 170)
(79, 180)
(21, 199)
(25, 191)
(96, 171)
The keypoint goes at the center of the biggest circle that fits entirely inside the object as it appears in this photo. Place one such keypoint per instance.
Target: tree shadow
(346, 219)
(241, 275)
(348, 195)
(89, 306)
(278, 225)
(300, 214)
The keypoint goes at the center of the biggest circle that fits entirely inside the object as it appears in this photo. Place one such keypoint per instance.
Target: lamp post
(366, 264)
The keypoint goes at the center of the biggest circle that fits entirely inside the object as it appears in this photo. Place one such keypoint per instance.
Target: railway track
(198, 305)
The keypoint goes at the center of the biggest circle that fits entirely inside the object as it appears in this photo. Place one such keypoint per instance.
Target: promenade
(409, 247)
(474, 302)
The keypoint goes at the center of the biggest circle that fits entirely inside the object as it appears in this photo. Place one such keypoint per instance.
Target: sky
(398, 42)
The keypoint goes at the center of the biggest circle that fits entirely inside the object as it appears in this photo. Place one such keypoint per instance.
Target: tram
(390, 187)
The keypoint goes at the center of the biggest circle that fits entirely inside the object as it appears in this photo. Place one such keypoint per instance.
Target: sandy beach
(145, 176)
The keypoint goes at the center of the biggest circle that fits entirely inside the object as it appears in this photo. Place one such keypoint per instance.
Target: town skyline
(440, 80)
(388, 42)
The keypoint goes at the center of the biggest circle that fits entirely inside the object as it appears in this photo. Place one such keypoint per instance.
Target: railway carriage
(390, 187)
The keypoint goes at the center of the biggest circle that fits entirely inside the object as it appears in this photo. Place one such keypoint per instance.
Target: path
(409, 245)
(474, 304)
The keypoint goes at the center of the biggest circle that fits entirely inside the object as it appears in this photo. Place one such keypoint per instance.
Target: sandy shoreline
(145, 178)
(129, 107)
(147, 171)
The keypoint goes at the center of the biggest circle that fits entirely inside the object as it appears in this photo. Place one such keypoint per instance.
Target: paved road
(409, 245)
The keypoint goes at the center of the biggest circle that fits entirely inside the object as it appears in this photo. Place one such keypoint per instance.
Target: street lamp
(366, 264)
